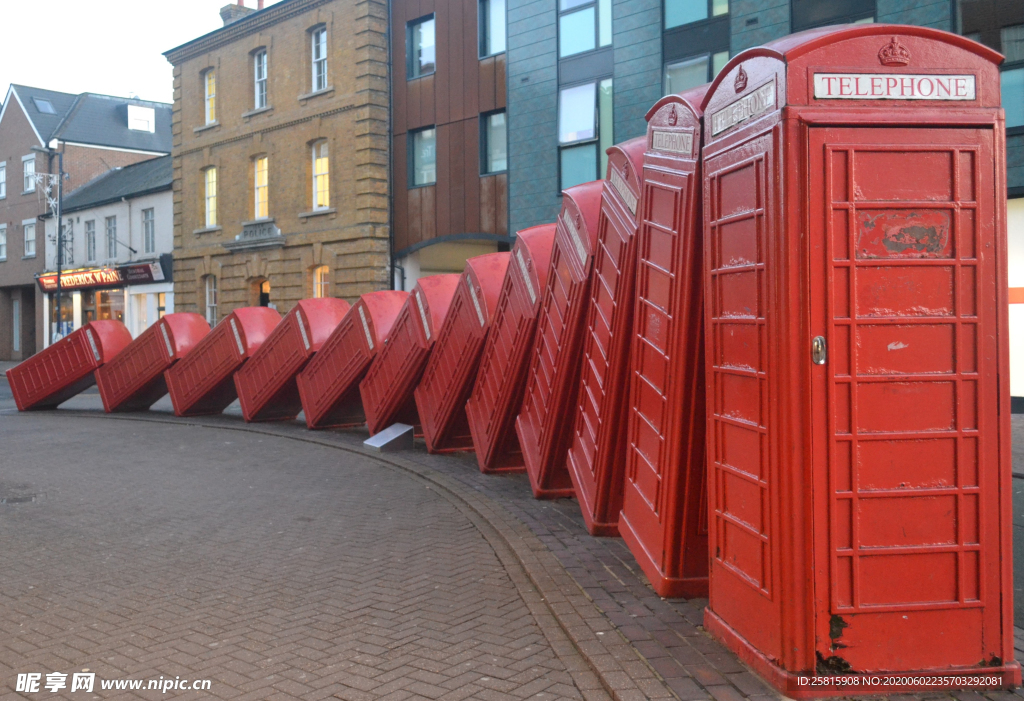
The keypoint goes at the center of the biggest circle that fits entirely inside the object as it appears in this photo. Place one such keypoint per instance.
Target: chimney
(233, 13)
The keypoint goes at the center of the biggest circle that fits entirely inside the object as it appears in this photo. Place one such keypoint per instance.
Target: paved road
(274, 568)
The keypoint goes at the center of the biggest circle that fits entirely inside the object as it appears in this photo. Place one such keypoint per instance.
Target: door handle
(818, 351)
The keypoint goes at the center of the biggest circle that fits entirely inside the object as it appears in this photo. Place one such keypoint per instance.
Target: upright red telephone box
(266, 384)
(60, 371)
(664, 504)
(448, 378)
(858, 404)
(544, 425)
(134, 379)
(498, 392)
(329, 386)
(596, 454)
(387, 390)
(203, 381)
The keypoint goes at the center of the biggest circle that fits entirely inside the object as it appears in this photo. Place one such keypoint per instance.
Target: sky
(113, 47)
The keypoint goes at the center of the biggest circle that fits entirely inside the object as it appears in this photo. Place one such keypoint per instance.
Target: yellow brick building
(280, 156)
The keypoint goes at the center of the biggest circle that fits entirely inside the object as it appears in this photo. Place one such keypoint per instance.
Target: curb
(571, 622)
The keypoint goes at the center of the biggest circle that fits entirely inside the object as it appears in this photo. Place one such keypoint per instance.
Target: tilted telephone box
(544, 425)
(134, 379)
(65, 368)
(203, 381)
(387, 390)
(596, 454)
(857, 370)
(448, 378)
(664, 506)
(329, 385)
(501, 378)
(266, 384)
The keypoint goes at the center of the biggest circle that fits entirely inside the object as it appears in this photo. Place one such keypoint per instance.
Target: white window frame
(261, 190)
(110, 231)
(259, 78)
(3, 242)
(321, 177)
(26, 226)
(149, 230)
(28, 172)
(318, 58)
(3, 179)
(210, 98)
(321, 281)
(211, 299)
(90, 241)
(210, 197)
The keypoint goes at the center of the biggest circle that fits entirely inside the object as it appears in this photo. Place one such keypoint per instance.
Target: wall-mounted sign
(133, 274)
(750, 105)
(889, 86)
(673, 141)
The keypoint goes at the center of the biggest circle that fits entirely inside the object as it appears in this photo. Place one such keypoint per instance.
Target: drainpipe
(391, 162)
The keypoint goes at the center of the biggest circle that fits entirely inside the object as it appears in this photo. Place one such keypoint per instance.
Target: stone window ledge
(211, 125)
(207, 230)
(329, 90)
(317, 213)
(258, 110)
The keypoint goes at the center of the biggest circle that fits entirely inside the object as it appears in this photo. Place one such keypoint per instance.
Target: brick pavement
(641, 646)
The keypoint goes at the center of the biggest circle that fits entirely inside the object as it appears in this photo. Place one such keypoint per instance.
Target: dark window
(420, 47)
(1012, 79)
(680, 12)
(44, 106)
(818, 13)
(494, 142)
(423, 157)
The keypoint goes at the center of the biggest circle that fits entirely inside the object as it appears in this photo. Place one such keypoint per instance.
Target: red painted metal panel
(134, 380)
(329, 385)
(448, 378)
(501, 380)
(62, 370)
(544, 425)
(266, 383)
(664, 506)
(202, 382)
(858, 422)
(596, 456)
(387, 390)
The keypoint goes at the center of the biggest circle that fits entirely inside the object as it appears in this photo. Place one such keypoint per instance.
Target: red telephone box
(448, 377)
(544, 425)
(597, 450)
(60, 371)
(387, 389)
(856, 321)
(501, 379)
(266, 384)
(329, 386)
(664, 503)
(202, 382)
(134, 380)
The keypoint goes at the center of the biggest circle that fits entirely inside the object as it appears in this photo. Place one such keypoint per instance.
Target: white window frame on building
(493, 142)
(261, 187)
(28, 171)
(423, 157)
(210, 95)
(90, 241)
(579, 135)
(3, 179)
(149, 230)
(210, 286)
(321, 169)
(210, 196)
(318, 58)
(110, 231)
(3, 242)
(583, 25)
(321, 281)
(259, 71)
(421, 47)
(492, 27)
(29, 229)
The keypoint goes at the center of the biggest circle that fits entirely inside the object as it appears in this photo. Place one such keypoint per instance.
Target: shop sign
(132, 274)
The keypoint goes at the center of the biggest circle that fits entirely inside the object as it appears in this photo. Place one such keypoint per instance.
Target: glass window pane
(579, 165)
(1013, 97)
(604, 22)
(576, 113)
(685, 75)
(719, 7)
(679, 12)
(492, 13)
(564, 5)
(422, 49)
(576, 32)
(497, 144)
(718, 62)
(1013, 42)
(424, 157)
(606, 128)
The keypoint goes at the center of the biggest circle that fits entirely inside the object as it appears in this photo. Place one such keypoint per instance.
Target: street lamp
(58, 211)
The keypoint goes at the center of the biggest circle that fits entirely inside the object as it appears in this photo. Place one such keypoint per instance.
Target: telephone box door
(906, 458)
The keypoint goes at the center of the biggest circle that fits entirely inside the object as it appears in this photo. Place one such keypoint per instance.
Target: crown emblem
(672, 117)
(741, 80)
(894, 54)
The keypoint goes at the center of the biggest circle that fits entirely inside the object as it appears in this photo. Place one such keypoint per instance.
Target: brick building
(280, 156)
(95, 133)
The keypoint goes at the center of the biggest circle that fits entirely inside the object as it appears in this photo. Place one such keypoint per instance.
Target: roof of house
(92, 119)
(135, 180)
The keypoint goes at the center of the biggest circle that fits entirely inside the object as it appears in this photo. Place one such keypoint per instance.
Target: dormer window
(141, 118)
(44, 106)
